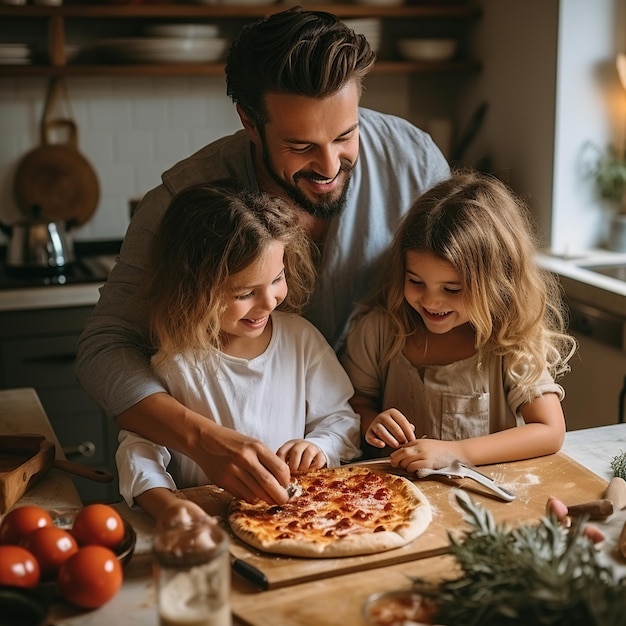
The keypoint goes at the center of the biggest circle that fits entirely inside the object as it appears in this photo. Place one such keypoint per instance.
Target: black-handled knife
(250, 573)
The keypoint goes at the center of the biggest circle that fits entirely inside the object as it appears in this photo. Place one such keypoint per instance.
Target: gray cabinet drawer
(39, 361)
(38, 349)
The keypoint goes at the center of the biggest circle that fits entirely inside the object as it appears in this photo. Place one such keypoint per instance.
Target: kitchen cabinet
(57, 25)
(594, 385)
(38, 349)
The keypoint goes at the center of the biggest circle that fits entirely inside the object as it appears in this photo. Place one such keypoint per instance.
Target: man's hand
(245, 467)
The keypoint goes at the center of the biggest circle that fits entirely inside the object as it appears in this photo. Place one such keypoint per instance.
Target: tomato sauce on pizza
(342, 511)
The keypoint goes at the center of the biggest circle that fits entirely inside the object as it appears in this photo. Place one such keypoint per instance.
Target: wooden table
(308, 592)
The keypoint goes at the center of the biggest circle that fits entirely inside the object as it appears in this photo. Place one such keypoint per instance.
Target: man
(296, 79)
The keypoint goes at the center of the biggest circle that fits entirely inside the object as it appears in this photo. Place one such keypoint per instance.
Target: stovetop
(87, 268)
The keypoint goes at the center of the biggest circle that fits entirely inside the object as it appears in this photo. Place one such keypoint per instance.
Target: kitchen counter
(295, 605)
(98, 257)
(86, 294)
(578, 282)
(586, 286)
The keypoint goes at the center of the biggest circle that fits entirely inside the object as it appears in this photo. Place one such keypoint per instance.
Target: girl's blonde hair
(483, 230)
(207, 234)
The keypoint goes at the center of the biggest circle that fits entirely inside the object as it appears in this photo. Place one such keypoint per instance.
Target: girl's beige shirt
(451, 402)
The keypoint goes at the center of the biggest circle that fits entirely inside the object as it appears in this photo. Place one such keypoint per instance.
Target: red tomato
(90, 578)
(20, 522)
(18, 567)
(51, 546)
(98, 524)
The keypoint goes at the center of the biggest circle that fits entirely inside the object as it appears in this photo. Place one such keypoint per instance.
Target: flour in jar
(195, 597)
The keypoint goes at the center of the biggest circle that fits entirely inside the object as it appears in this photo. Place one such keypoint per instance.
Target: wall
(590, 107)
(550, 80)
(132, 129)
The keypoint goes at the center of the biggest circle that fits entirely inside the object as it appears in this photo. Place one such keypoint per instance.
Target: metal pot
(38, 245)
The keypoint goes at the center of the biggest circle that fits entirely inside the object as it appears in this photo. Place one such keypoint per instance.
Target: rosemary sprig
(539, 575)
(618, 465)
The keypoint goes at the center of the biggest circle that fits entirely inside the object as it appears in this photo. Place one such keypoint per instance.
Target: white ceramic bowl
(369, 27)
(182, 31)
(427, 49)
(163, 50)
(380, 3)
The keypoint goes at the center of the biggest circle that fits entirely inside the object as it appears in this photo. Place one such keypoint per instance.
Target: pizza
(336, 512)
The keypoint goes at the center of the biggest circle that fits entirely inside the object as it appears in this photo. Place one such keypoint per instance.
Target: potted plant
(608, 171)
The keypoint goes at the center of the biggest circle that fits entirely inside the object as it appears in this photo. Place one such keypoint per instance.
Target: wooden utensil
(55, 181)
(25, 459)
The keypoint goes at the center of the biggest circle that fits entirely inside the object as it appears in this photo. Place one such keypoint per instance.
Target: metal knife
(251, 573)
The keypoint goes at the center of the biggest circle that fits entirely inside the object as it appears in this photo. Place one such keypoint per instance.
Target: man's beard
(323, 209)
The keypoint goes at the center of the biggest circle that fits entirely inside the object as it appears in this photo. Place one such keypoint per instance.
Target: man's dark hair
(305, 53)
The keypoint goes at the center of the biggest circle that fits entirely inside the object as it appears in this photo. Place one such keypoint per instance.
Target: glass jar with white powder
(192, 574)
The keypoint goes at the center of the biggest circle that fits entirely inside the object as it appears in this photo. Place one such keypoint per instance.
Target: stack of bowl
(371, 28)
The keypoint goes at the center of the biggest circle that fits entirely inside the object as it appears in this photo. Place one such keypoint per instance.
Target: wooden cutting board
(24, 459)
(533, 481)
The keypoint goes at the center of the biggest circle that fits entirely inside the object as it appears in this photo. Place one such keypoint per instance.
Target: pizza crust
(345, 511)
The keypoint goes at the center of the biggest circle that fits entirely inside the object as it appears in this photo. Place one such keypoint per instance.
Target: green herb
(539, 575)
(618, 465)
(608, 170)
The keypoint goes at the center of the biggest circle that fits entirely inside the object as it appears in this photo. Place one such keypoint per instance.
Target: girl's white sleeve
(331, 423)
(141, 465)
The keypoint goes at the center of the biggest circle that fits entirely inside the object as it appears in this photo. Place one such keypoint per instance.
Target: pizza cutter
(458, 469)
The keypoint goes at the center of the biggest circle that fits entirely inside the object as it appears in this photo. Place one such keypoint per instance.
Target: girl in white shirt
(221, 263)
(465, 338)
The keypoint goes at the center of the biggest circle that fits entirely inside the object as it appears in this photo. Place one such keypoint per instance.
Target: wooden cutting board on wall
(533, 481)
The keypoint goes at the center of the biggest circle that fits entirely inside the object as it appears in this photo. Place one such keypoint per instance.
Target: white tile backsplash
(129, 129)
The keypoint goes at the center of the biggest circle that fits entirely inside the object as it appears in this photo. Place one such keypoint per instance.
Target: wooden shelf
(179, 10)
(213, 69)
(56, 18)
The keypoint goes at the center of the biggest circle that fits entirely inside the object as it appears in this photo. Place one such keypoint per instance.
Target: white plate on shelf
(8, 61)
(427, 49)
(235, 2)
(14, 50)
(163, 50)
(182, 31)
(380, 3)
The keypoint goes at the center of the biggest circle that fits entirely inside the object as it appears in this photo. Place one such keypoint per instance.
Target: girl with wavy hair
(465, 338)
(230, 270)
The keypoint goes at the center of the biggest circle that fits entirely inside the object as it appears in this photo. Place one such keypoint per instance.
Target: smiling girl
(230, 271)
(465, 338)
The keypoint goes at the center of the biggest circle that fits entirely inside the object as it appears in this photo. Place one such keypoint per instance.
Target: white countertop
(580, 283)
(53, 297)
(586, 286)
(595, 447)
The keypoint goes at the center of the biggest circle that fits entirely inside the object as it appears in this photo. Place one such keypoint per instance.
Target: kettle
(38, 245)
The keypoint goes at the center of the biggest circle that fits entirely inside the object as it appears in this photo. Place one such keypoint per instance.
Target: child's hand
(422, 453)
(179, 513)
(390, 428)
(559, 510)
(301, 455)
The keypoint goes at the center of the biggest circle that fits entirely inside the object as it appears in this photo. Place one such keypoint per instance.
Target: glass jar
(192, 574)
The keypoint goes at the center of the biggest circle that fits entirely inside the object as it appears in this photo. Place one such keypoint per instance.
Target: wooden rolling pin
(84, 471)
(595, 509)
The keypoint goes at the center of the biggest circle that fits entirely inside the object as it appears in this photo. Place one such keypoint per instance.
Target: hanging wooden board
(55, 181)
